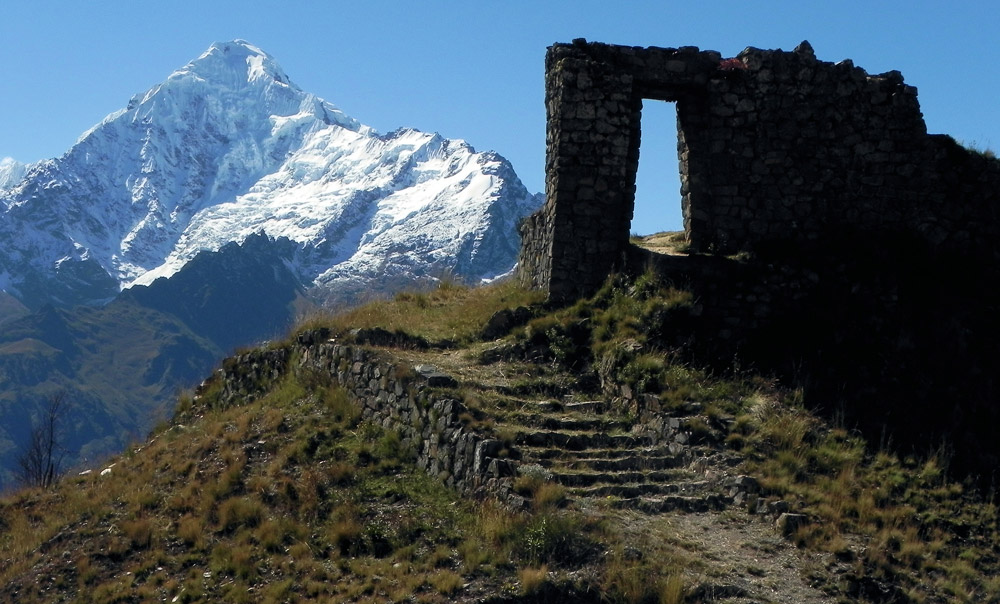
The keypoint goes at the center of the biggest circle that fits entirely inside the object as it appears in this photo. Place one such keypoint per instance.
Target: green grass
(433, 315)
(291, 496)
(288, 496)
(915, 520)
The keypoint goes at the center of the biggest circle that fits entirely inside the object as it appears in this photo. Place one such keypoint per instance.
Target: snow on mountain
(227, 147)
(11, 172)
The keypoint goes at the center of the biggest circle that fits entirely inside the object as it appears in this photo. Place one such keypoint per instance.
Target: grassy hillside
(118, 368)
(121, 365)
(291, 496)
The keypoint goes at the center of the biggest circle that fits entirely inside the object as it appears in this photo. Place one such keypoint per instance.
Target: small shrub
(390, 447)
(549, 495)
(550, 538)
(378, 538)
(281, 591)
(736, 441)
(191, 530)
(786, 429)
(643, 576)
(525, 485)
(300, 552)
(239, 512)
(185, 403)
(368, 431)
(139, 532)
(673, 590)
(532, 579)
(446, 582)
(732, 64)
(473, 554)
(628, 581)
(86, 572)
(235, 560)
(530, 477)
(270, 535)
(644, 373)
(345, 535)
(441, 557)
(342, 409)
(499, 527)
(699, 429)
(117, 590)
(340, 473)
(287, 392)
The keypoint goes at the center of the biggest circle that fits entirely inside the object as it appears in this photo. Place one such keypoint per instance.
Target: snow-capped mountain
(11, 172)
(228, 147)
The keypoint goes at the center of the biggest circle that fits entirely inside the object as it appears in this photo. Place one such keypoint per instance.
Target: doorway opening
(657, 181)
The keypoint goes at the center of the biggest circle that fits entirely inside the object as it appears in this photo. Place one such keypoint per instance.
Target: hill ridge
(318, 467)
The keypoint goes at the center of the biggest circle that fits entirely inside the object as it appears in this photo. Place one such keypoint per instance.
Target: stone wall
(775, 148)
(398, 398)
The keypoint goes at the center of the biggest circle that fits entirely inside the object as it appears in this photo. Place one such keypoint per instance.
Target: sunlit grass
(451, 312)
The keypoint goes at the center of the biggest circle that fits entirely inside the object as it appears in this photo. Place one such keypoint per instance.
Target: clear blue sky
(472, 70)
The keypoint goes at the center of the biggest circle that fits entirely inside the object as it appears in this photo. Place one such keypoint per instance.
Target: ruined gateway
(774, 146)
(870, 248)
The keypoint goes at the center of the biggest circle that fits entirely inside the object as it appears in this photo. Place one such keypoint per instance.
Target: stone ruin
(774, 147)
(871, 246)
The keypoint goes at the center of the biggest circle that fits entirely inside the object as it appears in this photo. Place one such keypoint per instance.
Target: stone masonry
(419, 404)
(396, 397)
(774, 147)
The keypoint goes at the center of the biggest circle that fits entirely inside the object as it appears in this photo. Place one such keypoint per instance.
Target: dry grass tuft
(532, 579)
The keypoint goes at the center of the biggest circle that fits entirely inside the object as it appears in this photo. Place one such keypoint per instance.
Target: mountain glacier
(228, 147)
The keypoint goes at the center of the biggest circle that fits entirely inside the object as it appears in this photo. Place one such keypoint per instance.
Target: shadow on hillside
(883, 334)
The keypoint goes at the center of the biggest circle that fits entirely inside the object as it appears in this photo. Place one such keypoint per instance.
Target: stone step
(626, 491)
(563, 422)
(542, 406)
(544, 455)
(587, 479)
(627, 461)
(552, 406)
(576, 441)
(690, 487)
(671, 503)
(592, 407)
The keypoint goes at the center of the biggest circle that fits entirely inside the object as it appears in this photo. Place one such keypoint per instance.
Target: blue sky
(473, 70)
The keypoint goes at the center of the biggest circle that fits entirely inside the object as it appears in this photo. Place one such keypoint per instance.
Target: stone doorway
(657, 181)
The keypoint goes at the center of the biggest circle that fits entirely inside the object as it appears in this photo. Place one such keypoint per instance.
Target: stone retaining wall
(396, 397)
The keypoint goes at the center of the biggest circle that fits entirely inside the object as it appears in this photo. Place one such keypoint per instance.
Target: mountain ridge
(228, 146)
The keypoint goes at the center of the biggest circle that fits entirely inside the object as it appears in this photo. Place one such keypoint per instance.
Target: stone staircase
(608, 461)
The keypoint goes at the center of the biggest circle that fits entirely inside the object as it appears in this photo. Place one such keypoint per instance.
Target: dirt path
(747, 560)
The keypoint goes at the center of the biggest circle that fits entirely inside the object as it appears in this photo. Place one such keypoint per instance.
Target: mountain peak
(227, 147)
(236, 60)
(11, 172)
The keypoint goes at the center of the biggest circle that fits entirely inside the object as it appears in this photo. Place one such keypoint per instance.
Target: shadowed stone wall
(392, 395)
(775, 148)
